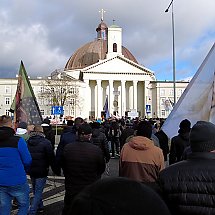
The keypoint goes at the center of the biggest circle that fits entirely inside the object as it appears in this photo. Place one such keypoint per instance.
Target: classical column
(111, 96)
(123, 98)
(88, 107)
(99, 98)
(135, 95)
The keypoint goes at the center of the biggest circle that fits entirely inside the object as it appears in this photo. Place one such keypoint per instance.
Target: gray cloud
(44, 34)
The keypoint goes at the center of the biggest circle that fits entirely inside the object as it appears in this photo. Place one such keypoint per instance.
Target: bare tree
(60, 90)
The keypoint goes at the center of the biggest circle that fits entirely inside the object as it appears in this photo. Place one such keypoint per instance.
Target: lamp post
(173, 49)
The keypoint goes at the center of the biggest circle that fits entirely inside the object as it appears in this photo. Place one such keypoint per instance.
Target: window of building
(162, 92)
(7, 112)
(114, 47)
(7, 89)
(163, 112)
(42, 112)
(72, 112)
(171, 92)
(180, 91)
(7, 100)
(72, 90)
(42, 89)
(72, 101)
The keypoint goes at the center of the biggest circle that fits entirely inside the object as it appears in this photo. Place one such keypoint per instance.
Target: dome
(91, 53)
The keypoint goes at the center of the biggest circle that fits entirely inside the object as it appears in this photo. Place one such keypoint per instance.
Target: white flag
(198, 100)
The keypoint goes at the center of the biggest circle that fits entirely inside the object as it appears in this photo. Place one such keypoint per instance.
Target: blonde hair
(5, 121)
(38, 128)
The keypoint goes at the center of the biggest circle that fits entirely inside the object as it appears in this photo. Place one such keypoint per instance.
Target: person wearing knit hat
(118, 196)
(180, 142)
(202, 137)
(188, 186)
(22, 130)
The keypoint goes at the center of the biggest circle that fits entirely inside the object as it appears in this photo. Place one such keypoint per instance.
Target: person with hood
(180, 142)
(42, 157)
(99, 139)
(14, 160)
(140, 159)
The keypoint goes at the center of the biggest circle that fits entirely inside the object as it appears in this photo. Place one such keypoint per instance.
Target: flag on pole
(25, 106)
(105, 108)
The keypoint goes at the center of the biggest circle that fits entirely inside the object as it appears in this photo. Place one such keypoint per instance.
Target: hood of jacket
(6, 132)
(96, 132)
(35, 138)
(140, 143)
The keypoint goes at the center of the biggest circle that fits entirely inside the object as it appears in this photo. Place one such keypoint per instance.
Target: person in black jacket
(48, 131)
(99, 139)
(69, 136)
(42, 157)
(180, 142)
(188, 186)
(83, 163)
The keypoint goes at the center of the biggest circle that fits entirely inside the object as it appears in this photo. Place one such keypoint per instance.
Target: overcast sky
(45, 33)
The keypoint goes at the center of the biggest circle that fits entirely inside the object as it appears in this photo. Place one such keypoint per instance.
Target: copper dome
(91, 53)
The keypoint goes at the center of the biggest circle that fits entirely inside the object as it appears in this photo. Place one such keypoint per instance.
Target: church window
(114, 47)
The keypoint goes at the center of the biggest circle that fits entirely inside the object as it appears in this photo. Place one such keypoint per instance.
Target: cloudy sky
(45, 33)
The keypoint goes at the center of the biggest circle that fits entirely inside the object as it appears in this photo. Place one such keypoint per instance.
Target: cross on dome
(102, 11)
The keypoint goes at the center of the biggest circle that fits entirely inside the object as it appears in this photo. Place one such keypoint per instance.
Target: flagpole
(173, 49)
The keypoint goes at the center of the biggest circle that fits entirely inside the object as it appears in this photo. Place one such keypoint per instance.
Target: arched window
(114, 47)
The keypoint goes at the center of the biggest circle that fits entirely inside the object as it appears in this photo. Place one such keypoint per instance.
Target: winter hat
(85, 129)
(202, 137)
(22, 128)
(118, 196)
(23, 125)
(144, 128)
(47, 121)
(185, 126)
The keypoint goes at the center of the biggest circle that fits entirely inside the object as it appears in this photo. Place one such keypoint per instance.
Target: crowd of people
(182, 184)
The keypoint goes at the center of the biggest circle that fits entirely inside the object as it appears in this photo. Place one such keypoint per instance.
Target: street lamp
(173, 50)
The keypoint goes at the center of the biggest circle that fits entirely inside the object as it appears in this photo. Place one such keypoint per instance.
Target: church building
(110, 71)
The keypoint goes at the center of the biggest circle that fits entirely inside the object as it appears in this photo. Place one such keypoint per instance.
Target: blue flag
(105, 108)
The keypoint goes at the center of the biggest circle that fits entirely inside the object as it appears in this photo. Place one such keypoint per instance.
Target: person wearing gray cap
(188, 186)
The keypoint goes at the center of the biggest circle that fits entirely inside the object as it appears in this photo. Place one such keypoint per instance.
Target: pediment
(117, 65)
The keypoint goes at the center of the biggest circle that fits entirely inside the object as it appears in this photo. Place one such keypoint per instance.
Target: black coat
(99, 139)
(83, 163)
(42, 155)
(178, 144)
(163, 141)
(188, 186)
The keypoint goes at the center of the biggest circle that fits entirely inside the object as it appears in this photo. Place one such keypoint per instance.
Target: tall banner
(106, 109)
(198, 100)
(25, 106)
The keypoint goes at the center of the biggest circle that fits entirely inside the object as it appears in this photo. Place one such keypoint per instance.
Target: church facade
(111, 72)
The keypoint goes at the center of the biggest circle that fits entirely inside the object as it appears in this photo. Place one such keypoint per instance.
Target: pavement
(54, 191)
